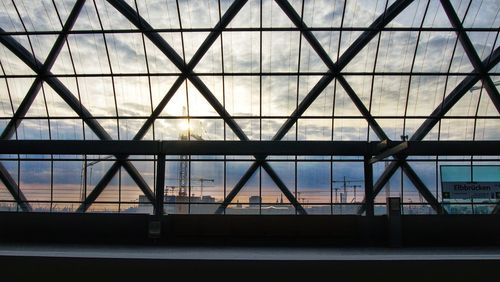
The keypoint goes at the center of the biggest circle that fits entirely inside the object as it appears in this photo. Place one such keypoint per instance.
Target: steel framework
(371, 151)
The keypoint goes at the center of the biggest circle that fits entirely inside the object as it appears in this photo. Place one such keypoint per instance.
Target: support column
(369, 200)
(154, 231)
(160, 186)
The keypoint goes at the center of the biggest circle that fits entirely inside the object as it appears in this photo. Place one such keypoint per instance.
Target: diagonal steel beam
(344, 59)
(237, 188)
(282, 186)
(348, 55)
(72, 101)
(480, 67)
(353, 50)
(302, 107)
(334, 71)
(23, 108)
(455, 95)
(187, 70)
(47, 65)
(381, 181)
(359, 44)
(13, 189)
(362, 109)
(472, 53)
(393, 11)
(108, 176)
(28, 99)
(422, 188)
(99, 187)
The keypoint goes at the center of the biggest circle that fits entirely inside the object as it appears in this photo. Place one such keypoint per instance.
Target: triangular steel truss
(43, 71)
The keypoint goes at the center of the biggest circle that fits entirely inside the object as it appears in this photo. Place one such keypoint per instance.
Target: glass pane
(314, 129)
(361, 13)
(434, 52)
(389, 95)
(126, 53)
(66, 129)
(69, 185)
(279, 95)
(89, 53)
(483, 14)
(159, 14)
(280, 51)
(396, 51)
(249, 195)
(242, 95)
(348, 182)
(38, 15)
(323, 13)
(248, 16)
(133, 96)
(241, 51)
(97, 95)
(412, 16)
(314, 186)
(35, 179)
(199, 14)
(207, 184)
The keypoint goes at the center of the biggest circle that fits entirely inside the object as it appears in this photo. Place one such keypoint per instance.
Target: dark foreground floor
(149, 263)
(118, 247)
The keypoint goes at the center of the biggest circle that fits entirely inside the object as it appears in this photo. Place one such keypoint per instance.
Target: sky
(230, 70)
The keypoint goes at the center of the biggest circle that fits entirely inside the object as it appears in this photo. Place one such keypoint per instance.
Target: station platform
(205, 263)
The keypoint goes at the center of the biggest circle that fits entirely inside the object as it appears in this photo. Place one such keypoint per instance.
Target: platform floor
(248, 253)
(39, 262)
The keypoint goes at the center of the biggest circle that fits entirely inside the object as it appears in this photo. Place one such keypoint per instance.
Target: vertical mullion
(51, 181)
(413, 65)
(379, 34)
(19, 180)
(449, 67)
(369, 196)
(84, 196)
(297, 102)
(260, 72)
(333, 104)
(119, 190)
(223, 97)
(110, 70)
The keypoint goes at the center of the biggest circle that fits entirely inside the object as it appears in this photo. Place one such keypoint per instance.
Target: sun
(185, 125)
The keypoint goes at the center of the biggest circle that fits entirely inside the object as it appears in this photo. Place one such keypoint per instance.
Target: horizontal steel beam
(389, 152)
(255, 148)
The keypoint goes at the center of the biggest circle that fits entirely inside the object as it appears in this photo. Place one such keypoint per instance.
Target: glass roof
(253, 62)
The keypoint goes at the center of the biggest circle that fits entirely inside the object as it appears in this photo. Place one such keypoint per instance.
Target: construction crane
(184, 193)
(203, 180)
(345, 186)
(187, 132)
